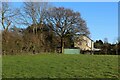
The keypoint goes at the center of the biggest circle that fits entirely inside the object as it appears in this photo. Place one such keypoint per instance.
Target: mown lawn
(60, 66)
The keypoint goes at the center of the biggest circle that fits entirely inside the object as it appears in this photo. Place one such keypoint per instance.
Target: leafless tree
(62, 21)
(32, 14)
(8, 16)
(106, 45)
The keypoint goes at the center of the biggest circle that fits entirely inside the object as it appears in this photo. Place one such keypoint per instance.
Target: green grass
(60, 66)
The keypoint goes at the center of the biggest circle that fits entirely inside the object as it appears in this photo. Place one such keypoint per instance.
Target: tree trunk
(62, 45)
(33, 30)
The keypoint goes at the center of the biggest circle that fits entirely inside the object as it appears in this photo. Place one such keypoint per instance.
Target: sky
(101, 17)
(119, 21)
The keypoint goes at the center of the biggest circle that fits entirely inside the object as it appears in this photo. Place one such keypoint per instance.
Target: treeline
(17, 41)
(103, 48)
(106, 48)
(47, 28)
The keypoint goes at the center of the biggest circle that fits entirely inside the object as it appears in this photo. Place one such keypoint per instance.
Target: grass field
(60, 66)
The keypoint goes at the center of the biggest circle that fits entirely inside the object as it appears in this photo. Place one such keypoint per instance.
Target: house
(84, 43)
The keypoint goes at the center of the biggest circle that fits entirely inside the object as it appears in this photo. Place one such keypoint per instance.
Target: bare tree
(106, 45)
(8, 16)
(32, 14)
(62, 21)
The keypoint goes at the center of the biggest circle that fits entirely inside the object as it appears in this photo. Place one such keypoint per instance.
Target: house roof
(86, 36)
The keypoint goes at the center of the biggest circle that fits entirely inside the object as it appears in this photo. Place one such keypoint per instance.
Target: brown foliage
(63, 21)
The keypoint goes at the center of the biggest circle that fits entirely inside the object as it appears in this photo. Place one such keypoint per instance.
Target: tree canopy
(47, 27)
(63, 21)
